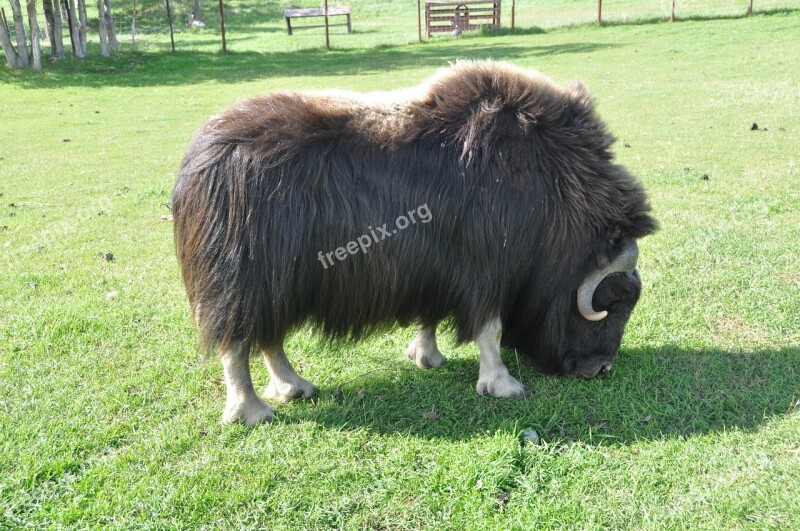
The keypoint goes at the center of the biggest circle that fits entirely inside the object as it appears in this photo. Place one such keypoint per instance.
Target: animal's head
(571, 315)
(580, 331)
(593, 327)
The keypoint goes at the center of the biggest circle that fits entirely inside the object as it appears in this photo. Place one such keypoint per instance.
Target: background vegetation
(259, 25)
(109, 418)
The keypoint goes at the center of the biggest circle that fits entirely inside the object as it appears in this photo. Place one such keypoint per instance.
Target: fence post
(222, 26)
(419, 19)
(327, 29)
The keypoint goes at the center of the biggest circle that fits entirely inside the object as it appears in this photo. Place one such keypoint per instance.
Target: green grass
(109, 418)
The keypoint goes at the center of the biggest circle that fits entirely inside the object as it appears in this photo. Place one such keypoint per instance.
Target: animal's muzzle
(594, 370)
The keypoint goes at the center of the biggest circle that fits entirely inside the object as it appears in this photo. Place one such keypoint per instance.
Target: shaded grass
(193, 67)
(108, 418)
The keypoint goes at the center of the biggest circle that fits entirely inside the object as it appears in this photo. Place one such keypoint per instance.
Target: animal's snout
(592, 370)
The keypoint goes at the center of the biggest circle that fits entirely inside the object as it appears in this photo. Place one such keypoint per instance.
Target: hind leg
(284, 383)
(242, 404)
(423, 350)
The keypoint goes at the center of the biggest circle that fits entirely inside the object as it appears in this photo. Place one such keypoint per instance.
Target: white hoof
(423, 350)
(249, 411)
(286, 391)
(502, 385)
(425, 356)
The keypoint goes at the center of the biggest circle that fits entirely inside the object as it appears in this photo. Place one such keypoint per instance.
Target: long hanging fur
(516, 173)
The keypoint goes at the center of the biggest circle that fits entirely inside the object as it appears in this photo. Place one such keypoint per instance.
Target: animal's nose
(591, 372)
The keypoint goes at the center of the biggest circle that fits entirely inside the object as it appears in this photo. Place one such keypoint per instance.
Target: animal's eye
(614, 234)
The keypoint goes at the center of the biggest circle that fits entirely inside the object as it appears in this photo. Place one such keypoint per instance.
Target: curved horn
(624, 263)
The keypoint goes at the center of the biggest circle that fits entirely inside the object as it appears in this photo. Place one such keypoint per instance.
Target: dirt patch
(791, 278)
(733, 332)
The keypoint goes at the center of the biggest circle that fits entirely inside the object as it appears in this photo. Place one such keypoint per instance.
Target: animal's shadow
(651, 393)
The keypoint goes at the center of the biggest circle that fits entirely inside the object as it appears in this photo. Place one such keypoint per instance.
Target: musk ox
(519, 228)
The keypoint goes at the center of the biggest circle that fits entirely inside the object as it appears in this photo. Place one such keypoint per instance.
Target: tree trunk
(54, 29)
(196, 11)
(101, 28)
(36, 36)
(73, 30)
(50, 24)
(80, 5)
(47, 8)
(58, 29)
(111, 29)
(12, 57)
(19, 30)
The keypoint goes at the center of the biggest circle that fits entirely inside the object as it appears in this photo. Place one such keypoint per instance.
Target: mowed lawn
(110, 418)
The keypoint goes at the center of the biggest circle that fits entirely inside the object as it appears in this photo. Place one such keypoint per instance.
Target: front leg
(493, 377)
(242, 403)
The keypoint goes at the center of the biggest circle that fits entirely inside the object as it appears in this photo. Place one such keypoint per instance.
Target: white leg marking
(423, 350)
(493, 377)
(284, 383)
(242, 403)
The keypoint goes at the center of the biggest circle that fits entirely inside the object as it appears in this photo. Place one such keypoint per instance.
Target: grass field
(109, 418)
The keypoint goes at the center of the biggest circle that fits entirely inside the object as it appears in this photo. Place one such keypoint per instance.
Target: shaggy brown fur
(516, 172)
